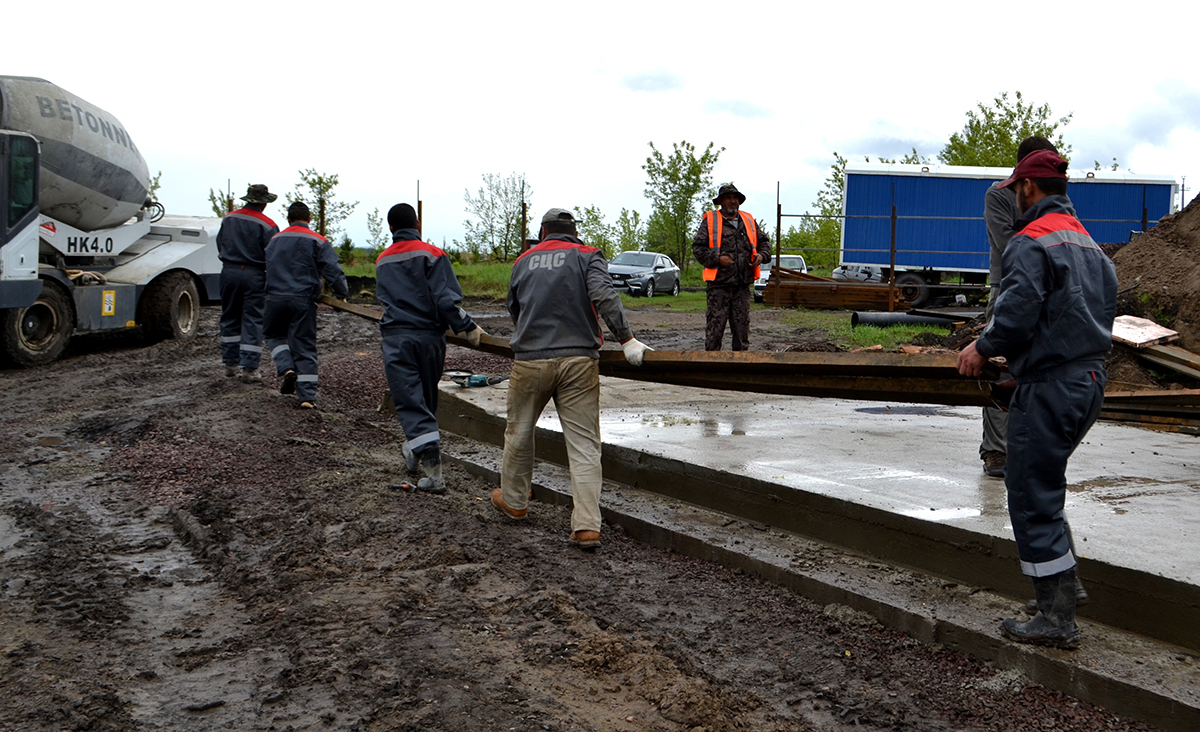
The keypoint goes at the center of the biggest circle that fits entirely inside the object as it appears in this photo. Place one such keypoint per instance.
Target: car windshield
(791, 261)
(637, 259)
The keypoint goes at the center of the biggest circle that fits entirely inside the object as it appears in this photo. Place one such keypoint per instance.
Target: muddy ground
(179, 551)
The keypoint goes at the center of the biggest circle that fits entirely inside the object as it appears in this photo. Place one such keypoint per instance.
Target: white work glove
(635, 351)
(473, 336)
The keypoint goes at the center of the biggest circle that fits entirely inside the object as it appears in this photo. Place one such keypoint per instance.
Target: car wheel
(758, 297)
(675, 289)
(649, 289)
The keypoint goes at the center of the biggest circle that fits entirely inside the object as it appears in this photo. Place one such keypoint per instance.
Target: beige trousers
(574, 385)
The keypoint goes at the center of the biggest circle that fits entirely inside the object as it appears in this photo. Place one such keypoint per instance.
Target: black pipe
(885, 319)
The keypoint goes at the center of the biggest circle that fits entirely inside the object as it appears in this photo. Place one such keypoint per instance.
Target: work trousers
(995, 421)
(1046, 422)
(242, 294)
(995, 431)
(730, 304)
(290, 328)
(573, 383)
(413, 364)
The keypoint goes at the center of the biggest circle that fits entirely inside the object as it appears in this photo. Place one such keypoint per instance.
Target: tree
(676, 187)
(345, 250)
(316, 191)
(630, 231)
(377, 240)
(494, 229)
(992, 134)
(220, 201)
(155, 184)
(594, 231)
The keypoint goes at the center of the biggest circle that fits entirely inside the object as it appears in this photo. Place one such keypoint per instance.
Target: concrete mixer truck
(82, 248)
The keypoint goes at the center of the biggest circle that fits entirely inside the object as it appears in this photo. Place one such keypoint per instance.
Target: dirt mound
(1164, 263)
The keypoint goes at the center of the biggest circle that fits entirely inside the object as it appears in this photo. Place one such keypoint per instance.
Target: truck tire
(37, 334)
(170, 307)
(913, 288)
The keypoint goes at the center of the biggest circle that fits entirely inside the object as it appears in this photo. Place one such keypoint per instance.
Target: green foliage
(494, 229)
(220, 201)
(630, 231)
(817, 239)
(377, 239)
(594, 231)
(992, 134)
(155, 184)
(316, 191)
(345, 250)
(1115, 165)
(677, 186)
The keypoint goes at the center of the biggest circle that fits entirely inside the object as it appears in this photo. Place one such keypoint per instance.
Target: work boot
(1054, 624)
(288, 385)
(251, 376)
(1081, 594)
(993, 463)
(410, 459)
(431, 466)
(231, 369)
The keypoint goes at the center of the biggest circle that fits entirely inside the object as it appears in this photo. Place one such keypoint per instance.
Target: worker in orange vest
(730, 246)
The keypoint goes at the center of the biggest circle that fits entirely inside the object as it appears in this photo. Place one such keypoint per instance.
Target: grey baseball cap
(558, 214)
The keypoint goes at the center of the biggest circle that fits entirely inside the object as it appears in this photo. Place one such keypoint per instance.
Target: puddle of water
(941, 514)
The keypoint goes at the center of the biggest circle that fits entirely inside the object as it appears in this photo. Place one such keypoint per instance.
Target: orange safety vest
(714, 237)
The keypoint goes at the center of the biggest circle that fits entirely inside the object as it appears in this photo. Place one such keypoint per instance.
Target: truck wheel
(913, 288)
(170, 307)
(37, 334)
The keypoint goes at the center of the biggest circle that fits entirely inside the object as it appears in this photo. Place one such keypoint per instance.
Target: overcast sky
(569, 94)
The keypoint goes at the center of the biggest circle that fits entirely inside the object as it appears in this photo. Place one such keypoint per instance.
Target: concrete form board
(903, 486)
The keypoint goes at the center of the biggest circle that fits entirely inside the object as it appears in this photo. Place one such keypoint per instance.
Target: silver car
(644, 273)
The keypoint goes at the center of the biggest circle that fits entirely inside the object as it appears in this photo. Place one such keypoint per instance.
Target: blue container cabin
(939, 209)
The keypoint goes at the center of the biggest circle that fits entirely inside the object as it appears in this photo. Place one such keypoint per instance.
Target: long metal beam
(918, 378)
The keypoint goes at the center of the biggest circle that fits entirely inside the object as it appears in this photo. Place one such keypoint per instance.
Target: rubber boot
(1054, 627)
(431, 466)
(410, 459)
(1081, 594)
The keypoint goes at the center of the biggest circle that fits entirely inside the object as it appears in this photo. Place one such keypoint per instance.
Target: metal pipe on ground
(885, 319)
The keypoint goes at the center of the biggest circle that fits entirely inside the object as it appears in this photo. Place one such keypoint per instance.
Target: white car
(858, 273)
(786, 261)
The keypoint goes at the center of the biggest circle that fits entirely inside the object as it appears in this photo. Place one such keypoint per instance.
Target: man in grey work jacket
(1000, 214)
(297, 260)
(241, 244)
(556, 291)
(421, 297)
(1053, 323)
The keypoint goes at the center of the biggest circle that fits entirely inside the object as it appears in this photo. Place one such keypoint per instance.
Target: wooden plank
(1174, 358)
(1140, 333)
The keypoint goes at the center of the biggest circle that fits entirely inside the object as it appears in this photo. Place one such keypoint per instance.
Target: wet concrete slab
(1133, 500)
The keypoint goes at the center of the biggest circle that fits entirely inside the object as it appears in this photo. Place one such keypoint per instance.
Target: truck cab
(19, 165)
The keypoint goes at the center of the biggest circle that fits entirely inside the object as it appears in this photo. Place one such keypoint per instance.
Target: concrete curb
(1123, 673)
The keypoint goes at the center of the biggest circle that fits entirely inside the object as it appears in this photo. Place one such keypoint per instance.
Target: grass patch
(836, 323)
(360, 268)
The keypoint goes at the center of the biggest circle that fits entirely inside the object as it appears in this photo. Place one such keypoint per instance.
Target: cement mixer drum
(92, 176)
